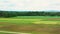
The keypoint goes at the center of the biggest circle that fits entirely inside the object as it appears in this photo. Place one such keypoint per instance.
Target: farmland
(31, 24)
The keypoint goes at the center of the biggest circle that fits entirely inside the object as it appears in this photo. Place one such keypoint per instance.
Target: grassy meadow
(31, 24)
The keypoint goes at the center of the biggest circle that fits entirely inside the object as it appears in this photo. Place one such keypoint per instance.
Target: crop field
(31, 24)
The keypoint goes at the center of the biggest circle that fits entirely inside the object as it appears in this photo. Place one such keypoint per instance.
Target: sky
(29, 5)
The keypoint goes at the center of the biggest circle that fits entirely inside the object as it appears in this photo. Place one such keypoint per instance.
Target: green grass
(31, 20)
(35, 17)
(5, 33)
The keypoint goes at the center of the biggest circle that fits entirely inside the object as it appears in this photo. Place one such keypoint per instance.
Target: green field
(31, 24)
(32, 20)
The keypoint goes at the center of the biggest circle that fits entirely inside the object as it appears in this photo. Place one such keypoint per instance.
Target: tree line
(29, 13)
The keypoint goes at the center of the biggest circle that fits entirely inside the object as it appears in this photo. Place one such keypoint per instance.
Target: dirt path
(14, 32)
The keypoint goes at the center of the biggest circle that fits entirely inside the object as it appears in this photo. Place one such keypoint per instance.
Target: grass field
(31, 24)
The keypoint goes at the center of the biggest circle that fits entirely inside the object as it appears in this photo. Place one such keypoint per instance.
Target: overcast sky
(20, 5)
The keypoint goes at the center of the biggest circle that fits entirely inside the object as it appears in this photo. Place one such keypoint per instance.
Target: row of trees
(16, 13)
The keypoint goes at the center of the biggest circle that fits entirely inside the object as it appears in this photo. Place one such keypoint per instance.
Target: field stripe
(13, 32)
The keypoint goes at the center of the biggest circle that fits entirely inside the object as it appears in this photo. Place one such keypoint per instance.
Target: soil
(34, 27)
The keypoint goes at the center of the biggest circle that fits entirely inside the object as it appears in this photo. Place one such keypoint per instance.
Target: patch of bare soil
(3, 23)
(30, 28)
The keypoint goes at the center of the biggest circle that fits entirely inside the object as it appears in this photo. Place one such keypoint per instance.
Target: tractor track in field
(13, 32)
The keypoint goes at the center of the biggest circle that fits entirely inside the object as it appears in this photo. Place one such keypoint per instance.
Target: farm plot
(29, 21)
(34, 26)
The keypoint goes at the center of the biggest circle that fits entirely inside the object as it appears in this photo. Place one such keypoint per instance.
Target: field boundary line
(13, 32)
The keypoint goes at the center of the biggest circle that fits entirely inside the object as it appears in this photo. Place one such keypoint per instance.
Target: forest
(8, 14)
